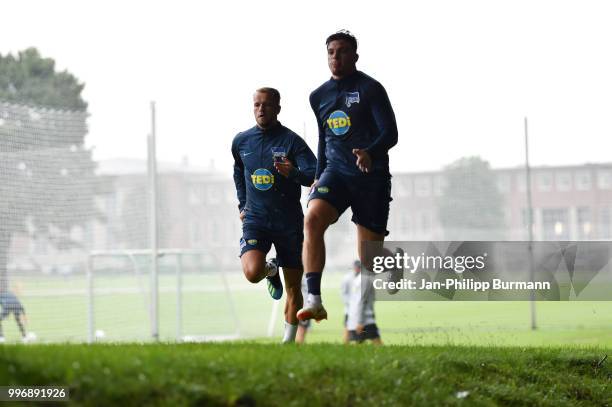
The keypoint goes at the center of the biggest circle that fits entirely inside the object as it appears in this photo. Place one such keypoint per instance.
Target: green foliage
(312, 375)
(29, 78)
(471, 205)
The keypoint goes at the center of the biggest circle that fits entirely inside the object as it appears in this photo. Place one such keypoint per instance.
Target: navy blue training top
(353, 112)
(268, 198)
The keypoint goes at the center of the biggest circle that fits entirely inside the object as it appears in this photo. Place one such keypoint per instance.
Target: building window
(41, 245)
(213, 194)
(605, 230)
(503, 183)
(422, 186)
(521, 181)
(196, 233)
(604, 179)
(231, 196)
(403, 187)
(88, 239)
(425, 222)
(555, 224)
(545, 181)
(583, 180)
(405, 223)
(214, 229)
(525, 220)
(563, 181)
(585, 224)
(195, 195)
(440, 185)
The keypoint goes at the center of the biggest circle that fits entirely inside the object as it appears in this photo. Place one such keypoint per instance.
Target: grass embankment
(311, 375)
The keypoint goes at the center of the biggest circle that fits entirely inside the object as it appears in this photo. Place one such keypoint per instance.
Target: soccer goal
(194, 299)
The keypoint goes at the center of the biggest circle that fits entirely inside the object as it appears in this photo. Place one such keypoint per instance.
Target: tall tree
(47, 179)
(471, 205)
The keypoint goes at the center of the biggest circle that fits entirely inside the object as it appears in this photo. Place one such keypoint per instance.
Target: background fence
(75, 238)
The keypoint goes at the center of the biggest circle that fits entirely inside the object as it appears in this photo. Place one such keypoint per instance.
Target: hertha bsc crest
(352, 97)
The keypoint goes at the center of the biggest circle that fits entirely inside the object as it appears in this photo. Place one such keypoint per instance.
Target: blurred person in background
(361, 321)
(345, 292)
(11, 304)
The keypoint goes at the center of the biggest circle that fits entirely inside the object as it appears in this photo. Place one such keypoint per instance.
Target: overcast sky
(461, 75)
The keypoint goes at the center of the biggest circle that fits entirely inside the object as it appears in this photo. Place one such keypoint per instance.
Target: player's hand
(359, 329)
(284, 168)
(364, 161)
(313, 186)
(242, 215)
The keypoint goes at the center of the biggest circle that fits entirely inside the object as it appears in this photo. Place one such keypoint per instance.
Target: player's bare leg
(255, 269)
(320, 215)
(293, 302)
(300, 337)
(254, 265)
(345, 336)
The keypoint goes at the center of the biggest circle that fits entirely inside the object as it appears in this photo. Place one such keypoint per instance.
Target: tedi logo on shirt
(339, 122)
(262, 179)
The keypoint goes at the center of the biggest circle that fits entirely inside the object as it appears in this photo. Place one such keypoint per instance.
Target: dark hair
(345, 35)
(275, 94)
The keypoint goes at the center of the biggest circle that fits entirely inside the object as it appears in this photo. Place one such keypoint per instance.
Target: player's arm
(239, 178)
(305, 163)
(384, 119)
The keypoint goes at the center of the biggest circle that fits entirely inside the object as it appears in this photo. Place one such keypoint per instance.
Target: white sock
(312, 299)
(290, 331)
(271, 269)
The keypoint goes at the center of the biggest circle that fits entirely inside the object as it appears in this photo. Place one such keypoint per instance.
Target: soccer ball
(100, 334)
(30, 337)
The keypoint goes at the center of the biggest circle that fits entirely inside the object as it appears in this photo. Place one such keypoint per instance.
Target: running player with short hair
(271, 163)
(356, 130)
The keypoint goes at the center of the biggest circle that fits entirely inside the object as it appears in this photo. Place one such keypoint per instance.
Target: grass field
(440, 353)
(321, 374)
(57, 310)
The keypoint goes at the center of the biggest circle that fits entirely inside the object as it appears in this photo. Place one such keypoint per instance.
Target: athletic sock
(313, 280)
(271, 269)
(312, 299)
(290, 332)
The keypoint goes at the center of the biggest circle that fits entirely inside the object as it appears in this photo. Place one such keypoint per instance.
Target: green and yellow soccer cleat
(275, 285)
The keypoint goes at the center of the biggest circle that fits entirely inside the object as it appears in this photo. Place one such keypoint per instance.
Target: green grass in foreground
(317, 374)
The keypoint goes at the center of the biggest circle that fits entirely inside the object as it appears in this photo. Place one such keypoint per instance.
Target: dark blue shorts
(288, 244)
(367, 196)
